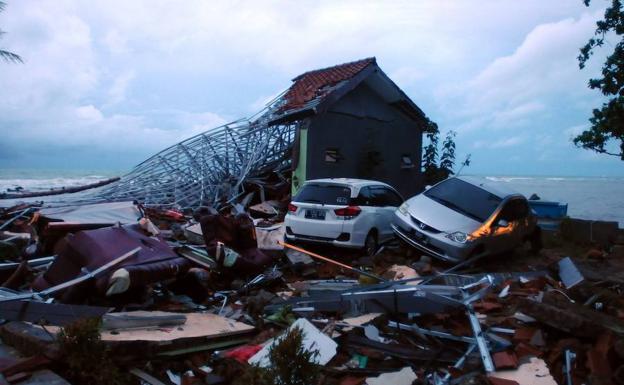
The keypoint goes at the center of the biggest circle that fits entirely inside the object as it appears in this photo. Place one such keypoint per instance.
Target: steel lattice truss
(208, 168)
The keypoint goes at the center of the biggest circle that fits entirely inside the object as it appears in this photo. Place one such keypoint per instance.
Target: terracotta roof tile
(316, 84)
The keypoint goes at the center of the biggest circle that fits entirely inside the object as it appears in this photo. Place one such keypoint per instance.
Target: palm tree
(6, 55)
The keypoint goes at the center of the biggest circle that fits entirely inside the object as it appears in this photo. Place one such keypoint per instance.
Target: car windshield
(464, 198)
(326, 194)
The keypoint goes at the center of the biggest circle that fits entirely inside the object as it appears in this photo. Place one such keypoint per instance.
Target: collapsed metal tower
(209, 168)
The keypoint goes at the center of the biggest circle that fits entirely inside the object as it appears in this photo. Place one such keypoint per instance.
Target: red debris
(487, 306)
(501, 381)
(523, 350)
(598, 364)
(243, 353)
(524, 334)
(350, 380)
(604, 342)
(505, 360)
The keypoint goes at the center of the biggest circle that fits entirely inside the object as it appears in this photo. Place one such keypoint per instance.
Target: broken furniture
(87, 250)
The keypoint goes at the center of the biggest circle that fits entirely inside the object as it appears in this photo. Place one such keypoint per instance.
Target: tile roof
(316, 84)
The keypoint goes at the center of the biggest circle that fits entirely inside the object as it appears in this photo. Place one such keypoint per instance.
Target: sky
(107, 83)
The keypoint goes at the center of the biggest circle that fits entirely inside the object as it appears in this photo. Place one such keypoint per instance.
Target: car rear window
(464, 198)
(326, 194)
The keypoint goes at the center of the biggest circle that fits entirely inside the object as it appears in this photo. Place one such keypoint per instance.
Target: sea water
(596, 198)
(41, 180)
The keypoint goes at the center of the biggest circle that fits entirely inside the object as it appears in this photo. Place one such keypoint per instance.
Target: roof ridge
(371, 59)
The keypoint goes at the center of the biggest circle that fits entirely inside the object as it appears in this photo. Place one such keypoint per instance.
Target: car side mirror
(427, 187)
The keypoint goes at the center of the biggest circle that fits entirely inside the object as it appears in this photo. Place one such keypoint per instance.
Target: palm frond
(10, 57)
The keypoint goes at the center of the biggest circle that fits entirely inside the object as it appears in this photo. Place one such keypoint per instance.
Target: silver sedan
(462, 217)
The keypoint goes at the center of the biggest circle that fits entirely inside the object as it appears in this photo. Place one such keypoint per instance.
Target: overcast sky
(106, 83)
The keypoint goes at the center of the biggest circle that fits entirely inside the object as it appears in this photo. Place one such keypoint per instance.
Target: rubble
(203, 297)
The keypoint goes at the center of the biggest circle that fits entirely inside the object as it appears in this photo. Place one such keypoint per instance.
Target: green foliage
(6, 55)
(430, 153)
(291, 364)
(86, 356)
(432, 171)
(447, 160)
(607, 122)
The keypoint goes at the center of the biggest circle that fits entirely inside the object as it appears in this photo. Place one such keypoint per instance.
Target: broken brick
(487, 306)
(524, 334)
(505, 360)
(524, 350)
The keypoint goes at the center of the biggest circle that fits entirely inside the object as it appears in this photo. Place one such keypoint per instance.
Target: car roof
(497, 188)
(348, 181)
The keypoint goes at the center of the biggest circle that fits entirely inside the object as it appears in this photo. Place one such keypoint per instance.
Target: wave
(507, 178)
(41, 184)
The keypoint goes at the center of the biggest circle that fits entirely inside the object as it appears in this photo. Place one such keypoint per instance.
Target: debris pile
(116, 293)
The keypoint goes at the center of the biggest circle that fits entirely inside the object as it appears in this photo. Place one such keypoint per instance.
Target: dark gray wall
(371, 136)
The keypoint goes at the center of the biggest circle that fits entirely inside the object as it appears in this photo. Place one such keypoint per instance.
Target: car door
(367, 219)
(386, 201)
(507, 230)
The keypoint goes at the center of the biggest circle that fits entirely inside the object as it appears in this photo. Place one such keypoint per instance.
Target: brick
(505, 360)
(525, 350)
(524, 334)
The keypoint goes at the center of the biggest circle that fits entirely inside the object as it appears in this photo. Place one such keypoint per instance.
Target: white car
(352, 213)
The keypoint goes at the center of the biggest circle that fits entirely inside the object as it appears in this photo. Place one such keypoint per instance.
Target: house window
(406, 161)
(332, 155)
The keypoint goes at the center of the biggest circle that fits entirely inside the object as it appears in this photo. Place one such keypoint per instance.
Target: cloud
(89, 114)
(128, 78)
(525, 84)
(502, 143)
(117, 91)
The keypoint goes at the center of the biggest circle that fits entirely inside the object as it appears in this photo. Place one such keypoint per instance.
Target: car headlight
(458, 237)
(403, 208)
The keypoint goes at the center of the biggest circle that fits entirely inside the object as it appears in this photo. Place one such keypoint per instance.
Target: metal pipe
(311, 254)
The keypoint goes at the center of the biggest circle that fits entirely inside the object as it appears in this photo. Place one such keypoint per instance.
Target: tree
(607, 122)
(447, 160)
(432, 171)
(6, 55)
(430, 155)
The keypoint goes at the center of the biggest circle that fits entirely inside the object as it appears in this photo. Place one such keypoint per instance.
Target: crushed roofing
(316, 84)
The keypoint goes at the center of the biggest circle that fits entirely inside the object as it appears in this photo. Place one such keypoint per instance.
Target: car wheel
(370, 244)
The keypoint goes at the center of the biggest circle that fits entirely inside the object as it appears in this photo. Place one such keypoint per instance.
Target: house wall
(299, 173)
(370, 137)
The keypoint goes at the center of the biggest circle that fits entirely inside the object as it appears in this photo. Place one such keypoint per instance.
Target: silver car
(462, 217)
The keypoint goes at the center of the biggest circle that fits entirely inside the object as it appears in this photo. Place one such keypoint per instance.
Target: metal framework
(209, 168)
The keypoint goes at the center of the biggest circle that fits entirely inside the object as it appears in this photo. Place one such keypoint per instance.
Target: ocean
(595, 198)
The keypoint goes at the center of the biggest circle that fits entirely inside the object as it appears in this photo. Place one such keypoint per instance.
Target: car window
(464, 198)
(326, 194)
(379, 197)
(365, 197)
(383, 196)
(393, 198)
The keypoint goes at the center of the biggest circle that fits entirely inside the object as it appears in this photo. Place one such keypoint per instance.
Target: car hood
(439, 216)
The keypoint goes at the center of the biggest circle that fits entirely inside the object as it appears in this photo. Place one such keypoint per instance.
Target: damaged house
(349, 120)
(355, 123)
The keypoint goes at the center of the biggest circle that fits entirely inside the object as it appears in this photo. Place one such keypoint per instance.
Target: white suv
(344, 212)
